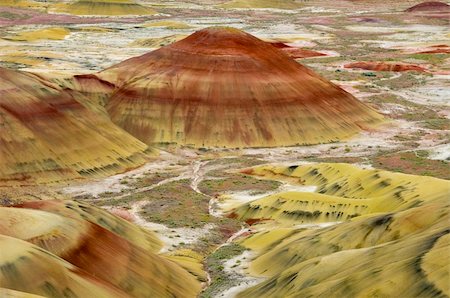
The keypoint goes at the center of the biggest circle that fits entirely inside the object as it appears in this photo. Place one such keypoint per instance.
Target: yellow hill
(404, 254)
(47, 135)
(21, 4)
(29, 268)
(392, 240)
(157, 42)
(344, 192)
(108, 255)
(104, 7)
(48, 33)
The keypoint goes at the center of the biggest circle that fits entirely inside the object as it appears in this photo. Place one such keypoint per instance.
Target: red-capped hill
(224, 87)
(49, 135)
(429, 6)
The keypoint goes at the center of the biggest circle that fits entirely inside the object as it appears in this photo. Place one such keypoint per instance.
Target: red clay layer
(381, 66)
(437, 49)
(429, 6)
(294, 52)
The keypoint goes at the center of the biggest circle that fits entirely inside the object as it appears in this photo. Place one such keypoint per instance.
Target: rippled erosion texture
(224, 148)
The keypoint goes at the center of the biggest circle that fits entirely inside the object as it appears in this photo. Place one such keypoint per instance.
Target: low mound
(296, 52)
(221, 87)
(47, 135)
(21, 4)
(382, 66)
(344, 192)
(279, 4)
(436, 49)
(157, 42)
(106, 7)
(48, 33)
(98, 252)
(429, 6)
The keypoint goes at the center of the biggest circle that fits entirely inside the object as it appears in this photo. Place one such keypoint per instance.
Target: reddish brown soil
(438, 49)
(296, 53)
(429, 6)
(252, 221)
(122, 213)
(382, 66)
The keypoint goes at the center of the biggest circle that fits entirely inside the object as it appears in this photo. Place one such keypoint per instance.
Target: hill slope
(117, 256)
(47, 135)
(221, 87)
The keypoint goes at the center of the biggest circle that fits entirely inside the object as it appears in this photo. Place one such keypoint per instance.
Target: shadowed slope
(115, 260)
(46, 135)
(223, 87)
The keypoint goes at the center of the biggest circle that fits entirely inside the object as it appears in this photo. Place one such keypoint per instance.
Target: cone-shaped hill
(226, 88)
(47, 135)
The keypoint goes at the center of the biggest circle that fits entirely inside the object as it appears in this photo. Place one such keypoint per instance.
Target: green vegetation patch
(237, 182)
(175, 204)
(415, 163)
(220, 280)
(435, 59)
(426, 116)
(405, 80)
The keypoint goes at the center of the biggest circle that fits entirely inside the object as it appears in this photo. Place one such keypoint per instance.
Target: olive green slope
(392, 239)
